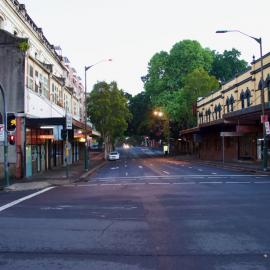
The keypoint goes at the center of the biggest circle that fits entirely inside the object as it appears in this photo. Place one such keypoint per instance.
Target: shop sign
(68, 121)
(2, 133)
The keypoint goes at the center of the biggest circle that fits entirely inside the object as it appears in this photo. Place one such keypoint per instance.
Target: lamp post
(258, 40)
(160, 114)
(86, 158)
(5, 138)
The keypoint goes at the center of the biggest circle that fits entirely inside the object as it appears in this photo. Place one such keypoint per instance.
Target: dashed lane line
(166, 172)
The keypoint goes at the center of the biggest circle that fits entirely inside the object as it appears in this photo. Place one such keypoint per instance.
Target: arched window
(248, 96)
(219, 110)
(216, 111)
(242, 98)
(231, 102)
(227, 104)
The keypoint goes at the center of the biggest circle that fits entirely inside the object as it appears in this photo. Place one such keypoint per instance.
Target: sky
(130, 32)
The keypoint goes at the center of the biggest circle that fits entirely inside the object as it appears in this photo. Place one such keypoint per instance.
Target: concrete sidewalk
(57, 176)
(240, 165)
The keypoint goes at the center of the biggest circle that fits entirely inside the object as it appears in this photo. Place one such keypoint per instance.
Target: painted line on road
(166, 172)
(212, 182)
(140, 167)
(261, 182)
(4, 207)
(126, 173)
(159, 183)
(184, 183)
(238, 182)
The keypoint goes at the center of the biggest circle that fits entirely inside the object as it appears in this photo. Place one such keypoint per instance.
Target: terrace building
(41, 87)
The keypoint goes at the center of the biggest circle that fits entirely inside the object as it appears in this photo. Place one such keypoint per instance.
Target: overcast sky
(132, 31)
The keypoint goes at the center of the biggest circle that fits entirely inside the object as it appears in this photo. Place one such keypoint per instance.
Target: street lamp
(258, 40)
(5, 138)
(86, 162)
(160, 114)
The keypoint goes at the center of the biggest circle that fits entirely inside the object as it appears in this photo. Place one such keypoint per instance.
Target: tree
(227, 64)
(179, 104)
(108, 110)
(139, 107)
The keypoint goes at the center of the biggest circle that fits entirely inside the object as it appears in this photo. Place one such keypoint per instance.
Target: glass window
(30, 77)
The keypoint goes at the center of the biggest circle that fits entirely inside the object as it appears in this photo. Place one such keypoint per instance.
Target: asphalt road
(141, 212)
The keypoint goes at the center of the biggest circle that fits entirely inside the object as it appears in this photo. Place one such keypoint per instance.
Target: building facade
(229, 120)
(41, 88)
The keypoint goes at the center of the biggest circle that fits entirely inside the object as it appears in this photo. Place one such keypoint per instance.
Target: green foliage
(166, 72)
(139, 106)
(179, 104)
(227, 64)
(108, 110)
(23, 46)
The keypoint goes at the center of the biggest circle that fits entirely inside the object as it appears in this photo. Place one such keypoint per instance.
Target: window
(242, 98)
(30, 77)
(248, 96)
(36, 81)
(227, 104)
(231, 102)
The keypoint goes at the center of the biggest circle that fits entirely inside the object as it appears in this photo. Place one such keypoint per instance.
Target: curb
(48, 183)
(86, 174)
(231, 167)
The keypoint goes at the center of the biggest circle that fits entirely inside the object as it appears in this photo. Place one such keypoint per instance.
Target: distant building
(232, 113)
(41, 88)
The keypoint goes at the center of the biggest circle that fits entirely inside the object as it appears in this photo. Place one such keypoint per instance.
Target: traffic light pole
(5, 139)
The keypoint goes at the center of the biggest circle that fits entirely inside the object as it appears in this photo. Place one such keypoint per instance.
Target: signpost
(67, 144)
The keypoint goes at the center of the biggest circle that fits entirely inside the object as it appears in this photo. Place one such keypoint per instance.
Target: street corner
(28, 186)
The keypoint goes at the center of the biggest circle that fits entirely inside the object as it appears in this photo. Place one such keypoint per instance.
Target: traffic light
(11, 139)
(11, 122)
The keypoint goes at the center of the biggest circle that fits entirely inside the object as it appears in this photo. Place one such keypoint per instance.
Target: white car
(114, 156)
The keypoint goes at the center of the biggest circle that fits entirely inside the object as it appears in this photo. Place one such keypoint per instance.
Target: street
(143, 211)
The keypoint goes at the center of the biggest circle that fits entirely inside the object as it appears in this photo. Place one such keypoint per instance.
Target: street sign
(68, 121)
(267, 128)
(230, 134)
(2, 133)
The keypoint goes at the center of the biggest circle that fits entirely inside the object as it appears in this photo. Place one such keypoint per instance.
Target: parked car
(114, 156)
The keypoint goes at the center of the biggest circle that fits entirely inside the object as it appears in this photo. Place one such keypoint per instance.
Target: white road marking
(190, 167)
(126, 173)
(140, 167)
(261, 182)
(213, 173)
(200, 170)
(114, 168)
(237, 182)
(159, 183)
(212, 182)
(125, 166)
(185, 183)
(2, 208)
(166, 172)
